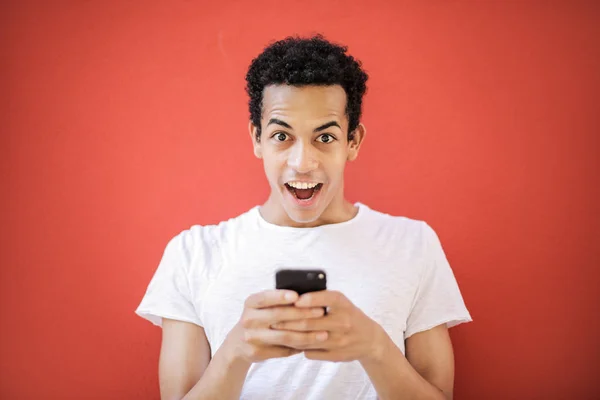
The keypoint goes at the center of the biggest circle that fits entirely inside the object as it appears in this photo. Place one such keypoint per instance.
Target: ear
(356, 141)
(253, 130)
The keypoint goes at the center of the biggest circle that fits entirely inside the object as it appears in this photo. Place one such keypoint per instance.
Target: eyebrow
(327, 125)
(318, 129)
(279, 122)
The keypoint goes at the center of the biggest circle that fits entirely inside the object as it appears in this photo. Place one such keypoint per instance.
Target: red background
(125, 122)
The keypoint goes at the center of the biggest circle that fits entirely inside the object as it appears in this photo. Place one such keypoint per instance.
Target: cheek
(273, 167)
(335, 167)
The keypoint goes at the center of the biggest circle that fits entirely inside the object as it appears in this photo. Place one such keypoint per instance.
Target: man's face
(304, 146)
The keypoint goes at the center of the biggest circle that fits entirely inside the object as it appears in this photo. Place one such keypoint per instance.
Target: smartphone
(301, 280)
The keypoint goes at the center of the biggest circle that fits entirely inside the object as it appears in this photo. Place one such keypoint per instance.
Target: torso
(374, 259)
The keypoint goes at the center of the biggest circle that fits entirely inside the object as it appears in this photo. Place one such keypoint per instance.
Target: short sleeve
(169, 294)
(438, 299)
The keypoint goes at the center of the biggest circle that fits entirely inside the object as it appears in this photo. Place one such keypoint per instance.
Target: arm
(427, 371)
(186, 370)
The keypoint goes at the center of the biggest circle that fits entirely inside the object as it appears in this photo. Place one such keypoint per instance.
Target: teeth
(302, 185)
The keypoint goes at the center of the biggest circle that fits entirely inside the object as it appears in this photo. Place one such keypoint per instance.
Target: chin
(303, 216)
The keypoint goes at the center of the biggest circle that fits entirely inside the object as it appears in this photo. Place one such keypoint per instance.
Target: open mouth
(303, 190)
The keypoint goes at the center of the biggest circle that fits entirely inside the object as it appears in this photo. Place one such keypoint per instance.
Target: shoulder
(201, 244)
(407, 228)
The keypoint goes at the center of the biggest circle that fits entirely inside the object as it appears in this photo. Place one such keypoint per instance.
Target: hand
(352, 334)
(252, 338)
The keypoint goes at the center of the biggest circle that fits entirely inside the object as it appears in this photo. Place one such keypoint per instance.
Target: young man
(227, 334)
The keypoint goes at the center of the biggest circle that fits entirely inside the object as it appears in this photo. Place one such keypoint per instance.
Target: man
(227, 334)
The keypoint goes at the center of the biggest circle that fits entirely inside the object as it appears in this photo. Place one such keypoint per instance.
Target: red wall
(123, 123)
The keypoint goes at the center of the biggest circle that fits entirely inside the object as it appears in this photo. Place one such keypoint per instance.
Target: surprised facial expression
(304, 147)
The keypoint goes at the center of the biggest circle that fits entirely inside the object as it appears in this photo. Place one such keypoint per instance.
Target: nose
(302, 158)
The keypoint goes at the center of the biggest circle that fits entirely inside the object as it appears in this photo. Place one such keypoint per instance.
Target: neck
(339, 210)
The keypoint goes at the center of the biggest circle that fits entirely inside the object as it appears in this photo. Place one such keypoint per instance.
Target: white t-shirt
(393, 268)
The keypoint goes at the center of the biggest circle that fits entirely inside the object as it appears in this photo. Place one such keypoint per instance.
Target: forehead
(306, 102)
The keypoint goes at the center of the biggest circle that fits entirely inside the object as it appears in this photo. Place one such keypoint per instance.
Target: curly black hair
(300, 61)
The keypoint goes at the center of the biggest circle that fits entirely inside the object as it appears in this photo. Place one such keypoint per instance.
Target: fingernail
(322, 336)
(290, 296)
(317, 311)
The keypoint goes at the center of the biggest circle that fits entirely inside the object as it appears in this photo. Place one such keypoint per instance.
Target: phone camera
(310, 275)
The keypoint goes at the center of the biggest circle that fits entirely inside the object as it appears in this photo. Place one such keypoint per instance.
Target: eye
(280, 136)
(326, 138)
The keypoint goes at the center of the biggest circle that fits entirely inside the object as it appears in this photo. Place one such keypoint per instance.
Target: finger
(254, 318)
(270, 298)
(273, 315)
(280, 352)
(323, 298)
(295, 340)
(261, 353)
(312, 324)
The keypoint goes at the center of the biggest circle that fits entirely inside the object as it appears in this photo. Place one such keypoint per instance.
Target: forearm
(394, 377)
(223, 379)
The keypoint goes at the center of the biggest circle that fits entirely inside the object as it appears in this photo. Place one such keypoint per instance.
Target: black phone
(301, 280)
